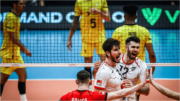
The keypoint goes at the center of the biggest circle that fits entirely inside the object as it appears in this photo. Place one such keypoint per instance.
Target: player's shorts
(9, 70)
(88, 49)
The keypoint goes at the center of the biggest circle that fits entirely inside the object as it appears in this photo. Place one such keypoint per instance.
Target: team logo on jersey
(102, 93)
(99, 82)
(133, 68)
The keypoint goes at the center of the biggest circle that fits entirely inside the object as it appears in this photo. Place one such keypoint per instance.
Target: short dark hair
(12, 2)
(109, 43)
(83, 76)
(132, 38)
(130, 9)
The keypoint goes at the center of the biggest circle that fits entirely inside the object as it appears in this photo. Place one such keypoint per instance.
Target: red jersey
(84, 95)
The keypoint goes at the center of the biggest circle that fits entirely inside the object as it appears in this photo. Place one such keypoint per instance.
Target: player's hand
(97, 65)
(69, 44)
(28, 53)
(25, 50)
(150, 76)
(94, 10)
(127, 83)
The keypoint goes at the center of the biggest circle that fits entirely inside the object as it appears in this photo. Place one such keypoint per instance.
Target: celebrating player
(83, 94)
(131, 67)
(165, 91)
(92, 28)
(10, 50)
(132, 29)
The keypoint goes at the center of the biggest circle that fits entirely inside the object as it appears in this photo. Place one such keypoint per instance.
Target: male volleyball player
(163, 90)
(10, 50)
(92, 13)
(131, 67)
(83, 94)
(131, 29)
(108, 77)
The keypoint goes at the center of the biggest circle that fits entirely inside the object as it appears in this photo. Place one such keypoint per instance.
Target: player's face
(20, 6)
(133, 50)
(115, 54)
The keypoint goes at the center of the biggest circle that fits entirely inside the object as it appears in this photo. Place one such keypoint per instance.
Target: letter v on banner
(172, 19)
(151, 17)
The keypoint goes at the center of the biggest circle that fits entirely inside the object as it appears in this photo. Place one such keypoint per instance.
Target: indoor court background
(49, 46)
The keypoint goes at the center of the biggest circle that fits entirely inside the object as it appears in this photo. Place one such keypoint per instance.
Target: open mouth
(134, 54)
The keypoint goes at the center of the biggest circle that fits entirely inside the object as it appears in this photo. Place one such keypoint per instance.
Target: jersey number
(126, 70)
(93, 23)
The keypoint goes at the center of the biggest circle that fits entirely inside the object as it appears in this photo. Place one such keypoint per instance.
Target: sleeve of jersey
(143, 70)
(105, 6)
(101, 79)
(148, 37)
(10, 24)
(63, 98)
(101, 96)
(116, 35)
(77, 11)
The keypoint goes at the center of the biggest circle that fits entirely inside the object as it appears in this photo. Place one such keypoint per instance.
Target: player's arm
(152, 56)
(149, 47)
(16, 41)
(104, 14)
(145, 89)
(74, 25)
(165, 91)
(101, 80)
(126, 91)
(72, 30)
(96, 67)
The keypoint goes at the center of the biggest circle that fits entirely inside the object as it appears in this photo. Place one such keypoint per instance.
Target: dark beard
(113, 59)
(129, 55)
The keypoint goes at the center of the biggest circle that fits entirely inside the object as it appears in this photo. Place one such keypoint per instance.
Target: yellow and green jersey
(126, 31)
(11, 24)
(91, 25)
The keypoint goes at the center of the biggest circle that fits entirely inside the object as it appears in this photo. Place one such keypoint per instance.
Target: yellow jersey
(126, 31)
(91, 25)
(11, 24)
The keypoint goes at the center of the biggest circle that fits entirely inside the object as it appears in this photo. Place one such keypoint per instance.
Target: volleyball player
(131, 29)
(83, 94)
(131, 67)
(92, 13)
(10, 50)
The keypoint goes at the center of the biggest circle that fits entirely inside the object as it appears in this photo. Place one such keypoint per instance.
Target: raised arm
(96, 67)
(165, 91)
(72, 30)
(16, 41)
(126, 91)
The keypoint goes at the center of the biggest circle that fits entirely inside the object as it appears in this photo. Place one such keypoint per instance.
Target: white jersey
(133, 71)
(108, 78)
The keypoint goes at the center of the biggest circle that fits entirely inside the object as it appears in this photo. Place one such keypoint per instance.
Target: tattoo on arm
(74, 24)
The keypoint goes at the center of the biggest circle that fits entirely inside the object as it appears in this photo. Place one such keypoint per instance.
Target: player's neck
(15, 12)
(110, 62)
(130, 21)
(126, 59)
(83, 87)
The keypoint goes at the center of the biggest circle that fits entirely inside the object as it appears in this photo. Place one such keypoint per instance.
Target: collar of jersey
(127, 63)
(81, 90)
(109, 65)
(130, 24)
(13, 13)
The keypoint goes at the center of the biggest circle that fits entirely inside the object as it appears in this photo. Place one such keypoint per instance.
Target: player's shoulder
(10, 14)
(120, 28)
(104, 68)
(139, 27)
(140, 63)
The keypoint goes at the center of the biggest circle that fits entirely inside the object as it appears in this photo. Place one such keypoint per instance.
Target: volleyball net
(45, 32)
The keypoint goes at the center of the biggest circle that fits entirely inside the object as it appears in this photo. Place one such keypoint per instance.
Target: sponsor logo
(99, 82)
